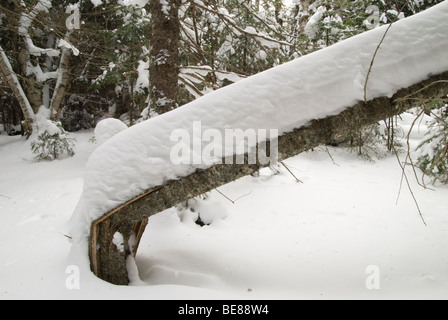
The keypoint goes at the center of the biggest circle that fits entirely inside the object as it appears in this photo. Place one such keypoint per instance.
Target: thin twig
(66, 235)
(404, 175)
(420, 90)
(373, 60)
(408, 156)
(286, 167)
(331, 157)
(244, 195)
(233, 201)
(5, 197)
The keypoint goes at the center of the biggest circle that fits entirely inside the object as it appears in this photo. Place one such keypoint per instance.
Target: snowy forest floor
(279, 239)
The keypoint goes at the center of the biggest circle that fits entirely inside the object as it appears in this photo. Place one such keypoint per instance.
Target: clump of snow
(118, 241)
(210, 211)
(286, 97)
(142, 81)
(165, 7)
(251, 30)
(44, 123)
(207, 211)
(107, 128)
(65, 44)
(96, 3)
(310, 28)
(128, 3)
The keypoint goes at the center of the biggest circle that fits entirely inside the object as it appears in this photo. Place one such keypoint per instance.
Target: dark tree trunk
(163, 69)
(130, 218)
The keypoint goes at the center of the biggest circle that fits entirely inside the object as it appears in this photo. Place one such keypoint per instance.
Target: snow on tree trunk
(163, 69)
(32, 88)
(61, 84)
(17, 89)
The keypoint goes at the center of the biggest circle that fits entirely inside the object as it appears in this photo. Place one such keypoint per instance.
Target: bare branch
(404, 175)
(286, 167)
(373, 60)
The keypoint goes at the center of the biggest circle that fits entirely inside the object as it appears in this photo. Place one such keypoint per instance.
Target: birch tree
(16, 87)
(35, 62)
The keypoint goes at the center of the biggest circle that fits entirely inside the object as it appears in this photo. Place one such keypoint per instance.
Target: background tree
(122, 62)
(163, 65)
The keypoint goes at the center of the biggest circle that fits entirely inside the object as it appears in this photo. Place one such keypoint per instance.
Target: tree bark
(16, 87)
(163, 68)
(305, 4)
(61, 84)
(129, 219)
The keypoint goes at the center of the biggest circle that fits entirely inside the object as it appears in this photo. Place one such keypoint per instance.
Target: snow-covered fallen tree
(307, 102)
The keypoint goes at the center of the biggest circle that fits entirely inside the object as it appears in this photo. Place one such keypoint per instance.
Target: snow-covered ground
(283, 98)
(339, 234)
(324, 238)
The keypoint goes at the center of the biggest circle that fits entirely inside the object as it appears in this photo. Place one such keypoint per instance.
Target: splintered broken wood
(131, 217)
(94, 230)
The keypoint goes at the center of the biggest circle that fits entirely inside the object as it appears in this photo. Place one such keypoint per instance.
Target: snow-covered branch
(251, 32)
(26, 20)
(194, 77)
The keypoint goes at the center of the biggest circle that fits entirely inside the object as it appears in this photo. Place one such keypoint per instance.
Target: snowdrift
(284, 98)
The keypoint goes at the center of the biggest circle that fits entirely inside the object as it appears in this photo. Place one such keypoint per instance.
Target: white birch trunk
(17, 89)
(61, 84)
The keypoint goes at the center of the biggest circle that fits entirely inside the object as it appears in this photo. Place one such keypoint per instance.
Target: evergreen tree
(433, 158)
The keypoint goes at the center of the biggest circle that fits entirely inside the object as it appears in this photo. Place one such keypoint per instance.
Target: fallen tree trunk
(109, 261)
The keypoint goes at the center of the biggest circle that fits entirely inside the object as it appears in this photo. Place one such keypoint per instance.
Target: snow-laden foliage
(433, 159)
(52, 143)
